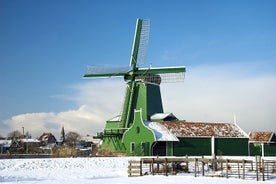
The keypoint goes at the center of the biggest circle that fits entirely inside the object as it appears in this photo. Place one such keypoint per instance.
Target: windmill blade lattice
(144, 40)
(140, 43)
(107, 71)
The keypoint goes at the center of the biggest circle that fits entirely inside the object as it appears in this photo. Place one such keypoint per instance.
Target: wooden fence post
(239, 170)
(152, 166)
(187, 163)
(203, 168)
(263, 168)
(257, 169)
(141, 167)
(166, 172)
(243, 169)
(195, 165)
(227, 168)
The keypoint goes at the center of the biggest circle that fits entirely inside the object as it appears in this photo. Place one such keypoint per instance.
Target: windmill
(143, 91)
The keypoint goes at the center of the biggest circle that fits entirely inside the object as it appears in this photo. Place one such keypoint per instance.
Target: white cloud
(98, 101)
(209, 94)
(83, 120)
(217, 93)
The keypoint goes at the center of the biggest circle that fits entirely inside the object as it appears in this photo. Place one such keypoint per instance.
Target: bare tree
(71, 138)
(14, 135)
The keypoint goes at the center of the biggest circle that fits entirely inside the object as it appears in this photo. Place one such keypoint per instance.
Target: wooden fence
(234, 168)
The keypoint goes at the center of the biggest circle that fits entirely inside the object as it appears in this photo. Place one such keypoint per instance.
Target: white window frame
(132, 147)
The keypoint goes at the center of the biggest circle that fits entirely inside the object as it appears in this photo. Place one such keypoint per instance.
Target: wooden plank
(134, 167)
(134, 161)
(134, 172)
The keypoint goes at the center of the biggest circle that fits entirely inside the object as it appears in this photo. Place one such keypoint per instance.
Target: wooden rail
(238, 168)
(134, 168)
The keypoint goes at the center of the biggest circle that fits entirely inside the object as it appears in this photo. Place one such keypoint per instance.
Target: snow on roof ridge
(158, 116)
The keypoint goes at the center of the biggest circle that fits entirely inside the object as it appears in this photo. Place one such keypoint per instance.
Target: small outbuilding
(262, 143)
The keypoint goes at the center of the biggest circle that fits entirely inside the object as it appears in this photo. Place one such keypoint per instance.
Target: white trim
(132, 149)
(213, 146)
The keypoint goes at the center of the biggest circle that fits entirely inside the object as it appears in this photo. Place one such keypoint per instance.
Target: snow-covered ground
(93, 170)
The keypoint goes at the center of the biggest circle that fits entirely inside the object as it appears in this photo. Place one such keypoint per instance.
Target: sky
(228, 48)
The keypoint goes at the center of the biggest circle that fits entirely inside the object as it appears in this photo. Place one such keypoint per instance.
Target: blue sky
(228, 47)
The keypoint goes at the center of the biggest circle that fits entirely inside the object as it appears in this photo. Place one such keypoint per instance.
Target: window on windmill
(142, 147)
(137, 130)
(132, 147)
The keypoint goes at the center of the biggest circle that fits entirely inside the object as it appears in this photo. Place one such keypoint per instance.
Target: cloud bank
(209, 94)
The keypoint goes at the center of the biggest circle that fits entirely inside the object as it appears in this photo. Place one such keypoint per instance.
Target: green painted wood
(231, 146)
(138, 133)
(270, 149)
(192, 146)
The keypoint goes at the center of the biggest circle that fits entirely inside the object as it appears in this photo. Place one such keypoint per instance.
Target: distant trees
(71, 138)
(14, 135)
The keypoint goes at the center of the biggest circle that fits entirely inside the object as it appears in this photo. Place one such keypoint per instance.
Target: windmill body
(142, 97)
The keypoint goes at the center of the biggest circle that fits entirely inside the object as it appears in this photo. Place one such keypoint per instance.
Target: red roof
(45, 136)
(260, 136)
(200, 129)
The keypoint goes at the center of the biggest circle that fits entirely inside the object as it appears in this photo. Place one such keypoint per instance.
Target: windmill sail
(93, 71)
(140, 43)
(165, 74)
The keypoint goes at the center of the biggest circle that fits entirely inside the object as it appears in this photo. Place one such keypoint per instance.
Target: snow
(161, 132)
(30, 140)
(161, 116)
(97, 170)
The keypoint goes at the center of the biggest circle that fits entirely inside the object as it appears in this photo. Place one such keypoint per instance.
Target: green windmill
(142, 92)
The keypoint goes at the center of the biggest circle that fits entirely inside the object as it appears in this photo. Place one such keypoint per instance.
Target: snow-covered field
(93, 170)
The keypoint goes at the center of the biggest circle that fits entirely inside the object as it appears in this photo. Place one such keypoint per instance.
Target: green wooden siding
(169, 149)
(270, 149)
(256, 149)
(140, 135)
(147, 97)
(192, 146)
(231, 146)
(154, 100)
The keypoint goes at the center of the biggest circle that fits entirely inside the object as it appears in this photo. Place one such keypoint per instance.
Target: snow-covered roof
(162, 116)
(5, 143)
(30, 140)
(160, 131)
(116, 118)
(89, 138)
(260, 137)
(199, 129)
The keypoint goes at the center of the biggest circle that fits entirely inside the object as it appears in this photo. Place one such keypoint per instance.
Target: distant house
(48, 141)
(47, 138)
(30, 145)
(24, 146)
(262, 143)
(4, 145)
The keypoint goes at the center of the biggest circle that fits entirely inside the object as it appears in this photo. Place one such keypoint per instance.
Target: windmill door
(159, 148)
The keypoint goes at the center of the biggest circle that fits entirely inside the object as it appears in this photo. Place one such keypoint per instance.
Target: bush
(63, 152)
